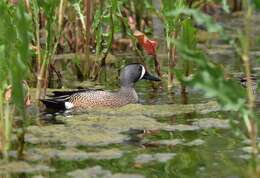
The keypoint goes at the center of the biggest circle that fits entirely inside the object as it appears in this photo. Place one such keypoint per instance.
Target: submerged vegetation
(53, 43)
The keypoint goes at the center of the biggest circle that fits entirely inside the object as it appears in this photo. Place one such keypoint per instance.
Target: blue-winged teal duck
(243, 81)
(87, 98)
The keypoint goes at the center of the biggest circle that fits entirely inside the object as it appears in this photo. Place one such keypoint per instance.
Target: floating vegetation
(71, 154)
(107, 126)
(200, 120)
(22, 167)
(160, 157)
(98, 171)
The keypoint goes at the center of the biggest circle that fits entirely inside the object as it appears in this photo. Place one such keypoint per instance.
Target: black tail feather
(53, 104)
(64, 93)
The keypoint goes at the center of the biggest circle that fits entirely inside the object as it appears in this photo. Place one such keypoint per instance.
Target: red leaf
(149, 45)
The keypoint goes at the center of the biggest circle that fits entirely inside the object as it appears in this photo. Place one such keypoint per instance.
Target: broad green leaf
(199, 17)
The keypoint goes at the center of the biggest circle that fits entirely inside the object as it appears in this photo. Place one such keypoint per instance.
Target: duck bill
(148, 76)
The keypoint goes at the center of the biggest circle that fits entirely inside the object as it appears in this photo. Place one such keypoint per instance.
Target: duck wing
(243, 81)
(54, 104)
(58, 98)
(56, 94)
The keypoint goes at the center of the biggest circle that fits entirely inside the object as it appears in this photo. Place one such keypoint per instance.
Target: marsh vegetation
(201, 120)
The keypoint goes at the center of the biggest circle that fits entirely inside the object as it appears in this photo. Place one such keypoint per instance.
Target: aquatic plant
(50, 34)
(249, 118)
(104, 26)
(14, 58)
(172, 26)
(211, 77)
(45, 29)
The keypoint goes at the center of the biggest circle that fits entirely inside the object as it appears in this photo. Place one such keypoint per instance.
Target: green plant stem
(42, 82)
(87, 9)
(35, 18)
(171, 60)
(111, 37)
(60, 23)
(7, 130)
(134, 41)
(1, 121)
(252, 128)
(40, 79)
(110, 41)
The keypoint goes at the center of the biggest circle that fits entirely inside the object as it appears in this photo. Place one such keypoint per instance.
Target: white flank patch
(69, 105)
(143, 72)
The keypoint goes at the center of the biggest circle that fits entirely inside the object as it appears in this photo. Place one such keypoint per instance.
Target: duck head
(133, 73)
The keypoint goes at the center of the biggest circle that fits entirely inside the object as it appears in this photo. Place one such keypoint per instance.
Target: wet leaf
(148, 44)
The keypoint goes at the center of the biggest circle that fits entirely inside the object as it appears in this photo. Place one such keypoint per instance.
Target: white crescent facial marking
(69, 105)
(143, 72)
